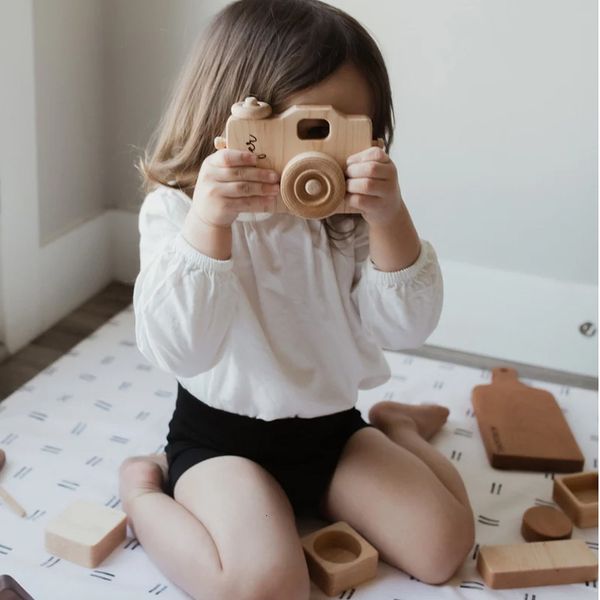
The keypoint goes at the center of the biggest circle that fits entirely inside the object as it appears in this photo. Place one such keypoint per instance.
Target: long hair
(269, 49)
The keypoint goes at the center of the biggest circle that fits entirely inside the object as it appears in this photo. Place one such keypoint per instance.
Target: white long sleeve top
(287, 326)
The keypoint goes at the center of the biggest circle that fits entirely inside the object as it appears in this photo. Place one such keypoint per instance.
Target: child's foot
(140, 475)
(425, 419)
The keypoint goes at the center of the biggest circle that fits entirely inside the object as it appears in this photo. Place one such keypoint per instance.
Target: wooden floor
(50, 345)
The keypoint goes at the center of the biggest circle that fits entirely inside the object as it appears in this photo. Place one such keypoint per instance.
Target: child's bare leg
(246, 544)
(396, 501)
(411, 426)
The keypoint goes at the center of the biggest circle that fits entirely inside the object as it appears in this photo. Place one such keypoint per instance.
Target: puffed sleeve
(183, 300)
(400, 309)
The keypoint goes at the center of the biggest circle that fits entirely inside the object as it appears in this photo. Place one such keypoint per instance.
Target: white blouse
(287, 326)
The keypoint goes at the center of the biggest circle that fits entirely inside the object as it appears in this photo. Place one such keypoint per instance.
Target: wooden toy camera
(307, 145)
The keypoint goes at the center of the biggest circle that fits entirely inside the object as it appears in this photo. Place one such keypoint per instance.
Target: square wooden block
(577, 495)
(86, 533)
(339, 558)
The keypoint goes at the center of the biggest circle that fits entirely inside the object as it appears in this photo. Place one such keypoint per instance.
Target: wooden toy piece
(545, 523)
(11, 590)
(5, 496)
(523, 427)
(308, 145)
(536, 564)
(339, 558)
(86, 533)
(577, 495)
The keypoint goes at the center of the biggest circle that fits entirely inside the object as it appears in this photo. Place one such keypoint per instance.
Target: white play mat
(67, 430)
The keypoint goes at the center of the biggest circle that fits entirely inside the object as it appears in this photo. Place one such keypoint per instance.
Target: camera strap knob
(251, 108)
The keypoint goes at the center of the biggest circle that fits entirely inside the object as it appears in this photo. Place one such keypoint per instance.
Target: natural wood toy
(308, 145)
(8, 499)
(577, 495)
(339, 558)
(545, 523)
(86, 533)
(537, 563)
(11, 590)
(523, 427)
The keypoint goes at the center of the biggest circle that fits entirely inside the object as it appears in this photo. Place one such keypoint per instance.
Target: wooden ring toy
(312, 185)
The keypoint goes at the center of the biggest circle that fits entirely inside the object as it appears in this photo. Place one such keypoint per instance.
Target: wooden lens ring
(251, 108)
(312, 185)
(545, 523)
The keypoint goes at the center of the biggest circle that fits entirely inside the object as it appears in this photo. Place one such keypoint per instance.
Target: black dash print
(132, 544)
(127, 343)
(464, 432)
(51, 449)
(103, 405)
(159, 588)
(456, 456)
(471, 585)
(496, 488)
(22, 472)
(79, 428)
(347, 594)
(487, 521)
(70, 485)
(103, 575)
(50, 562)
(163, 394)
(87, 377)
(10, 438)
(119, 439)
(541, 502)
(475, 552)
(39, 416)
(5, 549)
(125, 386)
(107, 360)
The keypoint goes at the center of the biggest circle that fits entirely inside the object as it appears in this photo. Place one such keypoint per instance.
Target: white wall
(496, 144)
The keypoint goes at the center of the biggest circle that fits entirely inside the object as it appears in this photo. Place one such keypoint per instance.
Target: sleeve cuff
(392, 278)
(198, 259)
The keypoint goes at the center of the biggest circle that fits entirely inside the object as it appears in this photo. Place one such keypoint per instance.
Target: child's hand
(229, 182)
(372, 185)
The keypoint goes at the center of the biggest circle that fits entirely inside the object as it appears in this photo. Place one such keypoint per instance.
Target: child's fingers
(244, 174)
(367, 187)
(231, 158)
(362, 202)
(371, 168)
(237, 189)
(373, 153)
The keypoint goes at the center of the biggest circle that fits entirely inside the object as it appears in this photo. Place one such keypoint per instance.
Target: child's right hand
(229, 182)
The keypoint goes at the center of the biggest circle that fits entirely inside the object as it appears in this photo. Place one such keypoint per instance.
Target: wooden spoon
(8, 499)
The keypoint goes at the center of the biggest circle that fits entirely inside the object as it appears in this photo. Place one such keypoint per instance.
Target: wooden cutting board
(523, 427)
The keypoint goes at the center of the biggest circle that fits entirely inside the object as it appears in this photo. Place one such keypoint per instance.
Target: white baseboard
(78, 265)
(518, 317)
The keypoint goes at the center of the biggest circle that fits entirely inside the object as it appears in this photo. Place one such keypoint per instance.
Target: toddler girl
(271, 326)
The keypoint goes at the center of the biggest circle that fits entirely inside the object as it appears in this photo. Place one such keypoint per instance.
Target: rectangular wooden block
(577, 495)
(523, 427)
(86, 533)
(537, 564)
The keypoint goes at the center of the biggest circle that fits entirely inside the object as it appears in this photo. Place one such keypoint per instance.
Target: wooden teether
(8, 499)
(543, 523)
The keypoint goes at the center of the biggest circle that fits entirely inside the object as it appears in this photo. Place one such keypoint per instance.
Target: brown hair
(269, 49)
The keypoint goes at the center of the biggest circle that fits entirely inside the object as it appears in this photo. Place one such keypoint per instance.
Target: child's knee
(450, 546)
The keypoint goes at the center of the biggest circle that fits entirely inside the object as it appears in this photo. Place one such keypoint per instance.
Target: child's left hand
(372, 185)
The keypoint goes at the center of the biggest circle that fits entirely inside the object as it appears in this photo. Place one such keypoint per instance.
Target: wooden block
(577, 495)
(523, 427)
(339, 558)
(545, 523)
(536, 564)
(311, 166)
(86, 533)
(11, 590)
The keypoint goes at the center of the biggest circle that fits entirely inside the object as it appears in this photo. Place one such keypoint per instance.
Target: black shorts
(301, 453)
